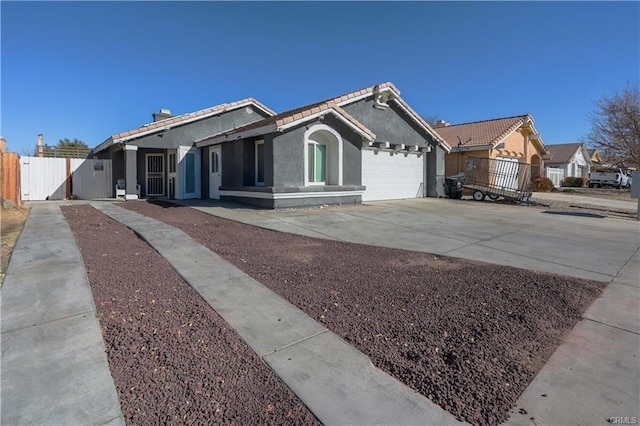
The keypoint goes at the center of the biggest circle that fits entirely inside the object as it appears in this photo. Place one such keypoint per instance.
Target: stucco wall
(517, 145)
(185, 134)
(456, 162)
(288, 154)
(389, 124)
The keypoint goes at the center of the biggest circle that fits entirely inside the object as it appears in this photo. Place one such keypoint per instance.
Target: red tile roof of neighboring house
(562, 153)
(481, 133)
(485, 133)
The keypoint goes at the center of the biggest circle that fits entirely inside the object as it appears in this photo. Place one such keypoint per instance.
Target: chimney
(162, 115)
(441, 123)
(40, 146)
(3, 144)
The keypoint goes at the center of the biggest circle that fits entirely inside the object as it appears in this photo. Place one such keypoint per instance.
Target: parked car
(608, 177)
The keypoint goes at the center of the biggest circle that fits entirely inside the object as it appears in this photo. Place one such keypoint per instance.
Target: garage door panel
(391, 177)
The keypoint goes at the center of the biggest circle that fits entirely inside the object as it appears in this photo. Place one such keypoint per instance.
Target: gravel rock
(467, 335)
(174, 360)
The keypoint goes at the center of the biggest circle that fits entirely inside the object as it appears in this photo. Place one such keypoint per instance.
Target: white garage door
(391, 177)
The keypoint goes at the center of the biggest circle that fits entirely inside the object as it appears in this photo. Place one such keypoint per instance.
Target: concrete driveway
(593, 377)
(521, 236)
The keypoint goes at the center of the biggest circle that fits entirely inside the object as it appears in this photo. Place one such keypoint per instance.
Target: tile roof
(481, 133)
(192, 116)
(294, 115)
(334, 104)
(562, 153)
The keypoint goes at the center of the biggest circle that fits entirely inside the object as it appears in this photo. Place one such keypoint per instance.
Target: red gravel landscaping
(469, 336)
(173, 359)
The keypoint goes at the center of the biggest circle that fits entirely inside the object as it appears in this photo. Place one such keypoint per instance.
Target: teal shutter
(190, 181)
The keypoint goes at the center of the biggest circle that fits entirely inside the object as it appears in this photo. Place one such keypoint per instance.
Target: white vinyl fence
(58, 178)
(556, 175)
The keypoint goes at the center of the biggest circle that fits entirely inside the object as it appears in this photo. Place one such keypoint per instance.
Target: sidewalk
(336, 382)
(54, 366)
(602, 203)
(594, 374)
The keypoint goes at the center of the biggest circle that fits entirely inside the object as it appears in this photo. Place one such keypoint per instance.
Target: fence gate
(91, 179)
(556, 175)
(59, 178)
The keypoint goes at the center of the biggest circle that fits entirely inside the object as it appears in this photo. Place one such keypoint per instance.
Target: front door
(155, 175)
(215, 172)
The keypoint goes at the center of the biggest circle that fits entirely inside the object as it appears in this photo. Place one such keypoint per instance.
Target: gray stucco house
(161, 157)
(362, 146)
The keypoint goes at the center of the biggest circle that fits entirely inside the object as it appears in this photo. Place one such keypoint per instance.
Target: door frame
(181, 192)
(172, 176)
(214, 190)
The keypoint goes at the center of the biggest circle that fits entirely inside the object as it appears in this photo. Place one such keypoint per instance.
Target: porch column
(131, 171)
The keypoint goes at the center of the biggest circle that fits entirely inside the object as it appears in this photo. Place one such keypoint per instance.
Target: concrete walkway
(336, 382)
(54, 366)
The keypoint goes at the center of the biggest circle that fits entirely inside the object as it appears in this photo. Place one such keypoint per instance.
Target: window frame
(215, 163)
(257, 163)
(311, 165)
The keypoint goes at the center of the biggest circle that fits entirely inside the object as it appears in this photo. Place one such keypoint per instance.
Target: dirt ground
(174, 360)
(12, 223)
(467, 335)
(609, 193)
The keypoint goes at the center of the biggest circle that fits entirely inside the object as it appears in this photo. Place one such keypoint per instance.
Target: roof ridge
(566, 143)
(177, 119)
(484, 121)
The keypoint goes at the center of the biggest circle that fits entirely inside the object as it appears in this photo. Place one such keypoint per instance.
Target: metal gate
(155, 175)
(556, 175)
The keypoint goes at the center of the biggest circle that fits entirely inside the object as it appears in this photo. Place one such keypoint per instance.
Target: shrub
(542, 184)
(574, 182)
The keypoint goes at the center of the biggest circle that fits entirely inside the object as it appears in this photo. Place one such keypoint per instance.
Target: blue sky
(91, 69)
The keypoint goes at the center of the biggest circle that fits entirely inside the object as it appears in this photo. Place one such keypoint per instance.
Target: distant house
(594, 155)
(364, 145)
(509, 138)
(567, 160)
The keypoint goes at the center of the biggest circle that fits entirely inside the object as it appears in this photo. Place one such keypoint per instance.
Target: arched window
(322, 156)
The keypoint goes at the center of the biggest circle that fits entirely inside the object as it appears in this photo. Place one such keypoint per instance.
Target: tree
(615, 127)
(67, 148)
(71, 144)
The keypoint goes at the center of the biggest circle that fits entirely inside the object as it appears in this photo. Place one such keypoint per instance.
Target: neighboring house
(510, 138)
(160, 156)
(594, 155)
(567, 160)
(364, 145)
